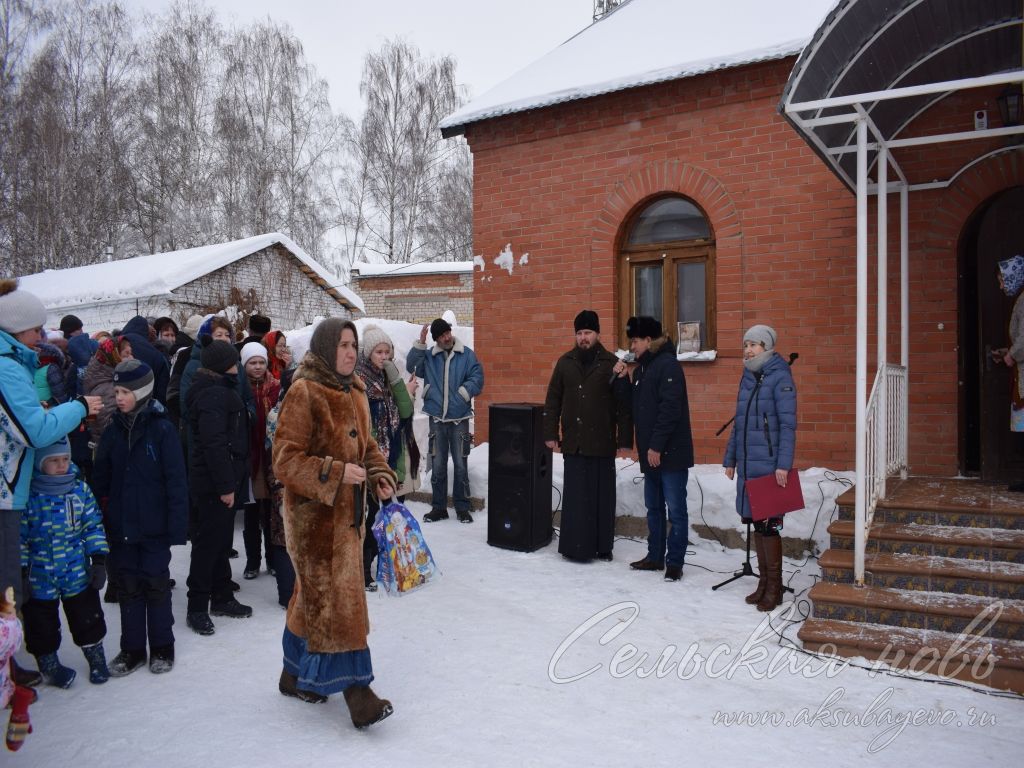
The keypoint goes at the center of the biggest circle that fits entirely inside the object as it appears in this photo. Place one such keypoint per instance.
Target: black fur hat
(643, 327)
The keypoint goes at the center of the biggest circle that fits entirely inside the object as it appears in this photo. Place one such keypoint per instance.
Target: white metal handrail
(886, 427)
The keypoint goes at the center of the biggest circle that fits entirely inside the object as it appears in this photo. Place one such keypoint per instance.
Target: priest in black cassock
(588, 406)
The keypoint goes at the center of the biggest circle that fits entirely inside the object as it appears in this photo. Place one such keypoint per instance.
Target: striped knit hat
(136, 376)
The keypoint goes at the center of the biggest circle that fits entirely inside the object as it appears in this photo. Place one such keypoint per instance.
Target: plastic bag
(404, 562)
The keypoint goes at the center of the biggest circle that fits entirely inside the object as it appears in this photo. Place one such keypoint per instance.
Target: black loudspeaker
(519, 478)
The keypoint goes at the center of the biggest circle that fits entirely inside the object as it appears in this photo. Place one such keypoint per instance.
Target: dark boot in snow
(161, 659)
(55, 673)
(199, 622)
(98, 672)
(646, 565)
(755, 597)
(127, 662)
(773, 565)
(365, 707)
(288, 685)
(434, 515)
(231, 608)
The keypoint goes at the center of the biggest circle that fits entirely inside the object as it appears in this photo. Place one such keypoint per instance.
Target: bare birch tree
(401, 146)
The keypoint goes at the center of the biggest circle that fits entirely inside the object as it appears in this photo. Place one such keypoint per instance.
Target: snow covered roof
(160, 273)
(650, 41)
(365, 269)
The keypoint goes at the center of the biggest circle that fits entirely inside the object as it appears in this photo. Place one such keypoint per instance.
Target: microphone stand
(745, 569)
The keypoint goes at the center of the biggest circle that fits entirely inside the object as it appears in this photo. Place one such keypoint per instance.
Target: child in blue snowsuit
(63, 551)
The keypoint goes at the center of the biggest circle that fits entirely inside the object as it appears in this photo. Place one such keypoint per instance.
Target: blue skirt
(325, 673)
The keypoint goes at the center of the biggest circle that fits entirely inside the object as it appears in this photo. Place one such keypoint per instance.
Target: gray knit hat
(19, 310)
(372, 336)
(761, 334)
(60, 448)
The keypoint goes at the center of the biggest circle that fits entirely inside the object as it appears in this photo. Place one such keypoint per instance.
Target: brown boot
(762, 578)
(772, 596)
(288, 685)
(365, 707)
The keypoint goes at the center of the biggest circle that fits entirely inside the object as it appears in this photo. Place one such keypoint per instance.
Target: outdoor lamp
(1009, 105)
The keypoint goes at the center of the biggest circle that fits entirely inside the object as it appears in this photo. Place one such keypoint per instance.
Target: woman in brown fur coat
(326, 458)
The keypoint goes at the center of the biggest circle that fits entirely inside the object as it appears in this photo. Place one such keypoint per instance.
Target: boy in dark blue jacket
(61, 530)
(140, 472)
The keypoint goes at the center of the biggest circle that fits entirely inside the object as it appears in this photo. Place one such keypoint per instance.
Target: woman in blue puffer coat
(762, 442)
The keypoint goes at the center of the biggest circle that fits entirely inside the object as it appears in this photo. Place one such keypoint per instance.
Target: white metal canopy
(869, 71)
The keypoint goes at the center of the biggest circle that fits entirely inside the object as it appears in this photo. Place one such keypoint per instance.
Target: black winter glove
(98, 572)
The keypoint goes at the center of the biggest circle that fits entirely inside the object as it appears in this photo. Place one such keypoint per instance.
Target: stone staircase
(944, 583)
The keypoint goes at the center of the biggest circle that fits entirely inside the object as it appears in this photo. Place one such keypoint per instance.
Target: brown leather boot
(762, 578)
(365, 707)
(772, 596)
(288, 685)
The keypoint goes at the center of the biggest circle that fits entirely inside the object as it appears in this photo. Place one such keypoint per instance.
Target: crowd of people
(119, 445)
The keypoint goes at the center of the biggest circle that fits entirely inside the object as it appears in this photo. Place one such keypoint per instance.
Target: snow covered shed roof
(365, 269)
(650, 41)
(160, 273)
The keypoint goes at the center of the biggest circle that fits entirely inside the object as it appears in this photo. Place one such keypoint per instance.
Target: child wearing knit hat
(140, 470)
(63, 552)
(24, 423)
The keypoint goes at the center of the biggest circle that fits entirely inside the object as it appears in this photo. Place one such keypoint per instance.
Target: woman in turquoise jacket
(24, 424)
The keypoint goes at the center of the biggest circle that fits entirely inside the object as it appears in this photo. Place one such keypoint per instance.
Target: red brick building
(757, 216)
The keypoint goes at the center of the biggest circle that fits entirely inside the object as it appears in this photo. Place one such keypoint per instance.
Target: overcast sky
(490, 40)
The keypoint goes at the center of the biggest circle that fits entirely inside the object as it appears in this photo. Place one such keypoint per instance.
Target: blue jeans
(449, 437)
(663, 489)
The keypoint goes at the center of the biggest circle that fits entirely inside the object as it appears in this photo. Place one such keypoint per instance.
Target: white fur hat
(251, 350)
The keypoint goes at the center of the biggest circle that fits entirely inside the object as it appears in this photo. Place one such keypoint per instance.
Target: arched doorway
(994, 232)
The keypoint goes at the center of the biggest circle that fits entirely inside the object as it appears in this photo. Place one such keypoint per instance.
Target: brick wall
(560, 182)
(417, 298)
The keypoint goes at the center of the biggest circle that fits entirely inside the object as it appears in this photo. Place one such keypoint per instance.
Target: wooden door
(1000, 235)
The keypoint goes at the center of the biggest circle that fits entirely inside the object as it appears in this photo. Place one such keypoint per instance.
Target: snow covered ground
(525, 659)
(479, 666)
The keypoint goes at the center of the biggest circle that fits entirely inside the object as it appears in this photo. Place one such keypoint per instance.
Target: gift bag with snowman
(404, 562)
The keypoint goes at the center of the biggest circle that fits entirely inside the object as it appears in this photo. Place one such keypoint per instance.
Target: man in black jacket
(218, 463)
(664, 443)
(592, 407)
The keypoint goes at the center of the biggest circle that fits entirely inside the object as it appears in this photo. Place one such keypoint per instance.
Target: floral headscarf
(108, 353)
(1012, 270)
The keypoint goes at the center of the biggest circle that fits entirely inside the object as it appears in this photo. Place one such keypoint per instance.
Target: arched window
(667, 270)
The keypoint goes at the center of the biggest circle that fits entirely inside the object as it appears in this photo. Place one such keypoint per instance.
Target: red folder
(769, 499)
